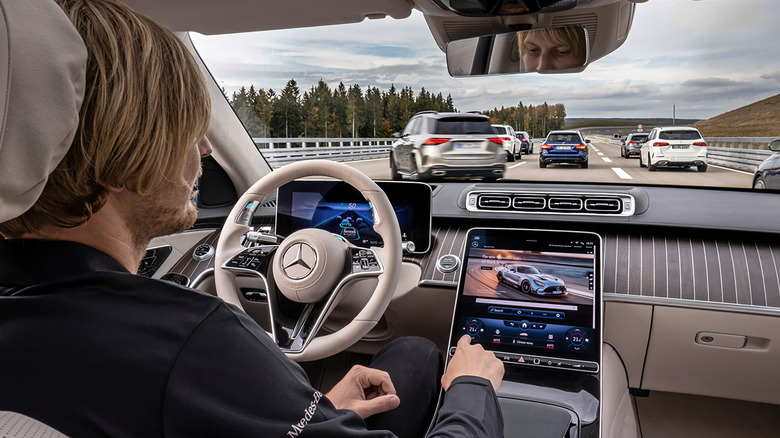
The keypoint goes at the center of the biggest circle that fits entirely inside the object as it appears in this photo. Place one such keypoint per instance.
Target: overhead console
(533, 298)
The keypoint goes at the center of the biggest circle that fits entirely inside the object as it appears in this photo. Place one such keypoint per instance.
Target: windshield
(366, 81)
(527, 270)
(460, 125)
(679, 135)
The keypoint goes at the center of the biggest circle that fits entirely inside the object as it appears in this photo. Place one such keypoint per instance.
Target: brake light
(546, 146)
(524, 140)
(660, 143)
(700, 143)
(436, 140)
(580, 146)
(506, 138)
(633, 142)
(496, 140)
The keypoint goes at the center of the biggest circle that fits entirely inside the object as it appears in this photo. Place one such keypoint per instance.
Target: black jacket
(92, 350)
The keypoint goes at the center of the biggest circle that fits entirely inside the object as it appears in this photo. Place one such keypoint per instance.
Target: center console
(533, 298)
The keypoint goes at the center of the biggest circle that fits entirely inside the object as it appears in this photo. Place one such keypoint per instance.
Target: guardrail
(741, 153)
(281, 151)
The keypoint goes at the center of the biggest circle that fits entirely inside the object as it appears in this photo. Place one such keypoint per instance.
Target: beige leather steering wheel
(307, 271)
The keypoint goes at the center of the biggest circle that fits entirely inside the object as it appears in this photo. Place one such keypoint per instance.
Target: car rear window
(499, 130)
(463, 125)
(679, 135)
(638, 138)
(563, 138)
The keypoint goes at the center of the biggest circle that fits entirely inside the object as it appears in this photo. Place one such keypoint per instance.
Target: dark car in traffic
(632, 144)
(767, 175)
(564, 147)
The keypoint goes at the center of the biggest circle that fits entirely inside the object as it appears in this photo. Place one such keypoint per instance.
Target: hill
(759, 119)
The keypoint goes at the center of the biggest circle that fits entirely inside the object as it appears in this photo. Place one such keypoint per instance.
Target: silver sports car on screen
(529, 280)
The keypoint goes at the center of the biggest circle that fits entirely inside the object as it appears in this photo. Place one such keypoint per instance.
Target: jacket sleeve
(230, 379)
(470, 408)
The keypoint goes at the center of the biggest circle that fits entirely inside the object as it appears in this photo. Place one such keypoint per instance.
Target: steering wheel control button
(299, 260)
(364, 260)
(447, 264)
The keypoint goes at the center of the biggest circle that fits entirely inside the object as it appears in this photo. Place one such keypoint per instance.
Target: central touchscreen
(532, 296)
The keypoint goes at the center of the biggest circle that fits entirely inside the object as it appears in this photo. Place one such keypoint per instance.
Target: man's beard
(161, 215)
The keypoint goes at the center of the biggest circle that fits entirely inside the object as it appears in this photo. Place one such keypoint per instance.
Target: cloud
(705, 57)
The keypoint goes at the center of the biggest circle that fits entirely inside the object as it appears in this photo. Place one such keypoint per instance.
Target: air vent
(605, 205)
(568, 204)
(528, 203)
(494, 202)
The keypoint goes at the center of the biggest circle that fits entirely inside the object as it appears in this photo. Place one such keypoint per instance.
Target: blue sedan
(564, 147)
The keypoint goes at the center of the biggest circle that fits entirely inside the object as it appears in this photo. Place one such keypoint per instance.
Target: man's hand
(473, 360)
(366, 391)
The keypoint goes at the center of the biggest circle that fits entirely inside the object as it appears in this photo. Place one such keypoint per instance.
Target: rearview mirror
(775, 146)
(561, 49)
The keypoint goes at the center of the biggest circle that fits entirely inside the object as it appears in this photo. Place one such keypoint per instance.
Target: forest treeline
(536, 120)
(355, 112)
(341, 112)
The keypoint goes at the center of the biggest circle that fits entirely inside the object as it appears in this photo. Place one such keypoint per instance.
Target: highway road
(606, 165)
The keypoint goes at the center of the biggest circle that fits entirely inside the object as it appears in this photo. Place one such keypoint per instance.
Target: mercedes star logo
(299, 260)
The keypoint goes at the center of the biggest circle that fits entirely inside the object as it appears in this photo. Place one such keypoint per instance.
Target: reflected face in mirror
(547, 50)
(556, 48)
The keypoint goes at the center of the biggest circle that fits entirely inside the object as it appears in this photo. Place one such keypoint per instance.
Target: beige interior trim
(676, 362)
(627, 328)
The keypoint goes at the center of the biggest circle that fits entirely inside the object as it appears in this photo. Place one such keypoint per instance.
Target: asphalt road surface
(605, 165)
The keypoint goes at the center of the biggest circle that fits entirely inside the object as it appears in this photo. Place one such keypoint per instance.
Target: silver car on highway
(437, 145)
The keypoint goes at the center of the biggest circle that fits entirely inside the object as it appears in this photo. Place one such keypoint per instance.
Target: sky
(705, 57)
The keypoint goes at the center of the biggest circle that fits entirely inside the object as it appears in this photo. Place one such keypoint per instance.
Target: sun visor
(42, 69)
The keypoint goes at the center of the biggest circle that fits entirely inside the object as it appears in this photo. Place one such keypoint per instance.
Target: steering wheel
(304, 275)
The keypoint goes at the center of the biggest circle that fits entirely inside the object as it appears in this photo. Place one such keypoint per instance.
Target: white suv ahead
(437, 145)
(674, 146)
(512, 145)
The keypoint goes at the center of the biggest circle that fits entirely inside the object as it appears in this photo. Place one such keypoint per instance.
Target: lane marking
(621, 173)
(518, 164)
(600, 153)
(733, 170)
(606, 159)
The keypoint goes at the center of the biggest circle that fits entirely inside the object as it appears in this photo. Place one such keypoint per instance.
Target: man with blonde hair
(92, 349)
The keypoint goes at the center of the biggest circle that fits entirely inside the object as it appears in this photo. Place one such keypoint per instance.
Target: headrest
(42, 68)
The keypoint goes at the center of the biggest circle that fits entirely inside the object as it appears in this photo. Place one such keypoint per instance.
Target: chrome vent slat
(550, 203)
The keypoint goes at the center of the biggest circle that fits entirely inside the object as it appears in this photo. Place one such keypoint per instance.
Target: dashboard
(690, 273)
